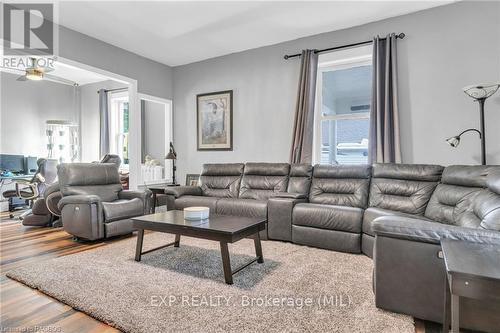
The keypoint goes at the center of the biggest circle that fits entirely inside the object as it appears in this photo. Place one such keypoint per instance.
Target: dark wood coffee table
(221, 228)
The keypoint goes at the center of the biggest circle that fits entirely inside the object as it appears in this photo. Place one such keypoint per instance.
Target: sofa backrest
(221, 180)
(344, 185)
(453, 195)
(300, 178)
(485, 209)
(101, 179)
(262, 180)
(405, 188)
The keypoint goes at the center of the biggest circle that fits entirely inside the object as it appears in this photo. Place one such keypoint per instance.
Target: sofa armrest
(80, 199)
(415, 229)
(146, 196)
(179, 191)
(82, 216)
(279, 217)
(290, 195)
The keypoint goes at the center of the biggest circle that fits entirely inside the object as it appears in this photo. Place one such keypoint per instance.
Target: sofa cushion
(242, 207)
(467, 175)
(340, 185)
(449, 202)
(419, 172)
(328, 217)
(117, 228)
(371, 214)
(221, 180)
(453, 197)
(122, 209)
(300, 178)
(487, 206)
(405, 188)
(484, 212)
(262, 180)
(416, 229)
(194, 200)
(327, 239)
(493, 180)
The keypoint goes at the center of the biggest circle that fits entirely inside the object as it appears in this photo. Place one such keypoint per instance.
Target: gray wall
(153, 78)
(446, 48)
(25, 106)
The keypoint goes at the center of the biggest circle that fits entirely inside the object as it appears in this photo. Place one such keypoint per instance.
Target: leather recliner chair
(45, 210)
(94, 204)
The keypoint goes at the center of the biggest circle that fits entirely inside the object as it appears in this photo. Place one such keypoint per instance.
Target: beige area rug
(296, 289)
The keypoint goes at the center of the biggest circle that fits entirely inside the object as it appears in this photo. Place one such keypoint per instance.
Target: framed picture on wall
(214, 120)
(192, 179)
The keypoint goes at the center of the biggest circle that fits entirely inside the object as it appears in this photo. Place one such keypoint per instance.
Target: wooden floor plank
(26, 309)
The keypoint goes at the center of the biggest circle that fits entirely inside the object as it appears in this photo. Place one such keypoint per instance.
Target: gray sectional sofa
(409, 269)
(395, 213)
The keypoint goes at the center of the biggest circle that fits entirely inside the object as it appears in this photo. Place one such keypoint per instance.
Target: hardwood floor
(24, 309)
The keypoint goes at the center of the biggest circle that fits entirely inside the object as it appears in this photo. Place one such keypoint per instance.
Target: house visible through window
(119, 126)
(342, 112)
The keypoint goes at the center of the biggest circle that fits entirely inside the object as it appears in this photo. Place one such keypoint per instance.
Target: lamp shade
(171, 156)
(454, 141)
(34, 75)
(478, 91)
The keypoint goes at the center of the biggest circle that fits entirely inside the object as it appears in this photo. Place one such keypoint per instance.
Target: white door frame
(134, 116)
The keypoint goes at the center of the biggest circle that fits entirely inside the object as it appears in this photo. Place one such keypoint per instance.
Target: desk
(473, 271)
(3, 180)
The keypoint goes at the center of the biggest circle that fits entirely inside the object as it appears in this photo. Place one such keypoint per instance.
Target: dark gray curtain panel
(384, 143)
(303, 126)
(104, 123)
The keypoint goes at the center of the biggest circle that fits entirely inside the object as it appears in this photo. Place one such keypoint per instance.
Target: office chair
(31, 190)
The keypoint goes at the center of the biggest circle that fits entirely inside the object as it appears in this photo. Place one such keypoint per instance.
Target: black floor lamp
(479, 93)
(172, 155)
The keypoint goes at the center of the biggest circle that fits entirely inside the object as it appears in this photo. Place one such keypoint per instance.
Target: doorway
(156, 136)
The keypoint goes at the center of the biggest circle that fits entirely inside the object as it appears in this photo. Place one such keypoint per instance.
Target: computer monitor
(12, 163)
(30, 165)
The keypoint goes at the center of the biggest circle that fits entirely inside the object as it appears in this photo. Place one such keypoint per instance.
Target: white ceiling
(177, 33)
(78, 75)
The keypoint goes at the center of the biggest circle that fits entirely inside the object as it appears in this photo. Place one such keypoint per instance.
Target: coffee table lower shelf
(226, 259)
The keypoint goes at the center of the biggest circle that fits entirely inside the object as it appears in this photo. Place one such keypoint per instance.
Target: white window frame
(115, 126)
(319, 117)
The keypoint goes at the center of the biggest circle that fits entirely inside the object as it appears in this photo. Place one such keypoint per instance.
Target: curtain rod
(286, 57)
(117, 89)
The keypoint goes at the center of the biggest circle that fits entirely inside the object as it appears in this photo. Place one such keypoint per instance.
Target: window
(119, 126)
(342, 112)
